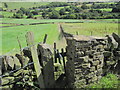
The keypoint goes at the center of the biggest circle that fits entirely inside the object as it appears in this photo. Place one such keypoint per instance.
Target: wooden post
(55, 52)
(76, 32)
(63, 59)
(45, 38)
(91, 33)
(58, 56)
(30, 42)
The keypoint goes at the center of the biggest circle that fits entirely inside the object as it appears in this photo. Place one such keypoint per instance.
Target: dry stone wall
(16, 64)
(112, 54)
(89, 58)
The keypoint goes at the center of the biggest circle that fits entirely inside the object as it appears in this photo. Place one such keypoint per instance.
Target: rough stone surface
(46, 59)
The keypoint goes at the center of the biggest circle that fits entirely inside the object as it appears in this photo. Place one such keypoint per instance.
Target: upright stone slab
(46, 61)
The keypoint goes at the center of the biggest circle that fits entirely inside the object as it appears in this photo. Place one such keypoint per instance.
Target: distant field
(9, 35)
(6, 25)
(99, 27)
(58, 8)
(6, 14)
(96, 29)
(105, 9)
(17, 5)
(107, 3)
(29, 21)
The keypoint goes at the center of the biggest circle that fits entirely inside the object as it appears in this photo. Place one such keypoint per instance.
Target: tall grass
(108, 81)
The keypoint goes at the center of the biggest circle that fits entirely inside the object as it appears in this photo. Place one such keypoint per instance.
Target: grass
(97, 29)
(29, 21)
(17, 5)
(6, 25)
(6, 14)
(58, 8)
(9, 35)
(105, 9)
(109, 81)
(37, 16)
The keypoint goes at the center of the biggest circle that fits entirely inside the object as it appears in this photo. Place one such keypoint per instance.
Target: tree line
(71, 11)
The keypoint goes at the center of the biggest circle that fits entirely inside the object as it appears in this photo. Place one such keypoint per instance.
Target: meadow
(18, 5)
(9, 35)
(6, 14)
(105, 9)
(94, 29)
(6, 25)
(29, 21)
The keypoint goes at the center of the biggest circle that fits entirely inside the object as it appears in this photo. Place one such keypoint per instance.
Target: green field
(9, 35)
(29, 21)
(6, 25)
(58, 8)
(95, 29)
(17, 5)
(6, 14)
(99, 27)
(105, 9)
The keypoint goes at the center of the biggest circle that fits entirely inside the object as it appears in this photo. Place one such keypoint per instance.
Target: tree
(34, 12)
(17, 15)
(77, 10)
(62, 11)
(5, 4)
(68, 9)
(44, 14)
(30, 15)
(1, 9)
(54, 15)
(78, 16)
(116, 10)
(20, 11)
(51, 9)
(71, 16)
(84, 6)
(25, 11)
